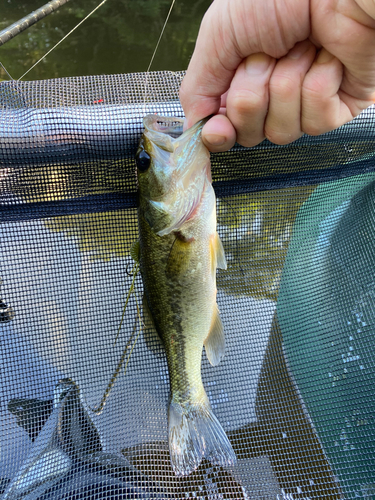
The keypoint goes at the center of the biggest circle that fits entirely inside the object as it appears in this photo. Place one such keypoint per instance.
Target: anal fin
(215, 341)
(221, 261)
(218, 259)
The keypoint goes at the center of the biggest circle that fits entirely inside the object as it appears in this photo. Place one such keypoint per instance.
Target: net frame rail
(28, 137)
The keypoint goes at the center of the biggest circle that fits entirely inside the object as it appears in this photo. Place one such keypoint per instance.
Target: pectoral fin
(215, 341)
(159, 218)
(218, 259)
(179, 258)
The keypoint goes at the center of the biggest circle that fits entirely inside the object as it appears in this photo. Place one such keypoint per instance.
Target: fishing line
(153, 55)
(126, 354)
(6, 71)
(66, 36)
(131, 289)
(161, 34)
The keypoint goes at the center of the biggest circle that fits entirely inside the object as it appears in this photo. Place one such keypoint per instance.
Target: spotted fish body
(179, 251)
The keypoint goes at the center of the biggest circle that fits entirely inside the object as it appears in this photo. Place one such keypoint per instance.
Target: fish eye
(143, 161)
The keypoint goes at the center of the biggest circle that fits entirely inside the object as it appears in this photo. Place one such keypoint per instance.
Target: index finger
(207, 77)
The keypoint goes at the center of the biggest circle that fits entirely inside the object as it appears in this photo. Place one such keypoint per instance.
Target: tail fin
(194, 433)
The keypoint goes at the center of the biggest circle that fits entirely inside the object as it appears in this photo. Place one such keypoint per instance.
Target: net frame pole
(27, 21)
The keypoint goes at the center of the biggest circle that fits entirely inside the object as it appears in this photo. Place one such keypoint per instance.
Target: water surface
(120, 37)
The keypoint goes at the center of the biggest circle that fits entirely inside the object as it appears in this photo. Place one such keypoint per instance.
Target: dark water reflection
(120, 37)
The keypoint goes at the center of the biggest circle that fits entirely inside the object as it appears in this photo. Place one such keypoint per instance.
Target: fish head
(173, 168)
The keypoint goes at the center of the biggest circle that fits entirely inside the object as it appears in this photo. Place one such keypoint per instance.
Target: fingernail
(324, 57)
(215, 140)
(257, 64)
(298, 50)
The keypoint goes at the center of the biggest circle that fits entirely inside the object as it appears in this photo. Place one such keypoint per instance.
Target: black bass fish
(179, 251)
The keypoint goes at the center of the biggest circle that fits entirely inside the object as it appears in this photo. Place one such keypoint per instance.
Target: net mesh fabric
(295, 390)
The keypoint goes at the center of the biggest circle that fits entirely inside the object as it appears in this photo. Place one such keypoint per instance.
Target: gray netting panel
(295, 391)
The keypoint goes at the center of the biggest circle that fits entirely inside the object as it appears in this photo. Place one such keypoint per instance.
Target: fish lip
(166, 132)
(166, 125)
(172, 126)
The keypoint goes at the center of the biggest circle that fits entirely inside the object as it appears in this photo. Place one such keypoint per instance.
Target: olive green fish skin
(181, 304)
(178, 254)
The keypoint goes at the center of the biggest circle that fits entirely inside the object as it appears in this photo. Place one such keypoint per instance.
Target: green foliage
(102, 235)
(119, 37)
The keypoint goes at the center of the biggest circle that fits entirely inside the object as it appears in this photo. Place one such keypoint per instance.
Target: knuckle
(284, 86)
(248, 141)
(280, 137)
(314, 126)
(244, 102)
(319, 112)
(314, 86)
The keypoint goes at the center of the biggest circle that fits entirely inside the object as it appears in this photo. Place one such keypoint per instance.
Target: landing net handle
(27, 21)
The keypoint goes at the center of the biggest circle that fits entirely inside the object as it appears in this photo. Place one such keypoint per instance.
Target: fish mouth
(166, 125)
(166, 132)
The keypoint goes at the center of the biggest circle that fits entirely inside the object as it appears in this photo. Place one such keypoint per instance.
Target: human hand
(280, 68)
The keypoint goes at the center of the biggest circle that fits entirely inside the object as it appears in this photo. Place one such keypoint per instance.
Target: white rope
(66, 36)
(6, 71)
(153, 55)
(161, 34)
